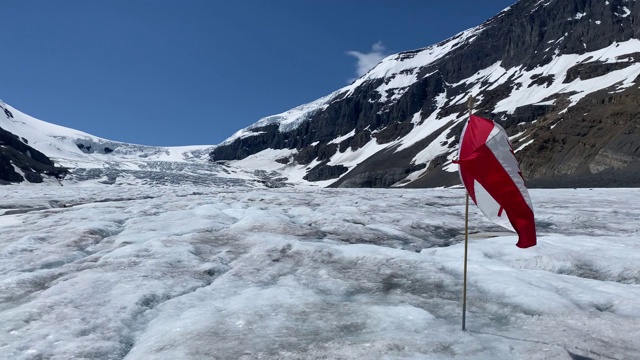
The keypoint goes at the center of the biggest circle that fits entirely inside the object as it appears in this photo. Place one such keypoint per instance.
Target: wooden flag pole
(466, 240)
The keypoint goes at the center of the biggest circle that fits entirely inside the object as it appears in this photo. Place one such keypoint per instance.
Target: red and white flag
(490, 172)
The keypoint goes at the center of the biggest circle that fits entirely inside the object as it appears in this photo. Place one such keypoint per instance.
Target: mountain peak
(541, 68)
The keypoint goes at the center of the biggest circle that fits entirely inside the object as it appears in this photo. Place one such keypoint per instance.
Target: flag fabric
(491, 174)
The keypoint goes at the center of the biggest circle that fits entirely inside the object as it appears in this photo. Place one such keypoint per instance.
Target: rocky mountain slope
(19, 161)
(562, 77)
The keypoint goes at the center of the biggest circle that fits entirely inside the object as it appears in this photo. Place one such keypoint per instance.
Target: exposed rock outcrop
(20, 162)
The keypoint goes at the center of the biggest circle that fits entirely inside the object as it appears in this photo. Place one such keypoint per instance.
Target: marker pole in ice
(466, 245)
(466, 240)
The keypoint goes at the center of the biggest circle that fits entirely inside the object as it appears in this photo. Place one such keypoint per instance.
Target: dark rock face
(34, 164)
(10, 140)
(7, 173)
(325, 172)
(594, 141)
(598, 139)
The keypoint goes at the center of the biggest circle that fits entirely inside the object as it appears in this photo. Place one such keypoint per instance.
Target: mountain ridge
(35, 151)
(536, 62)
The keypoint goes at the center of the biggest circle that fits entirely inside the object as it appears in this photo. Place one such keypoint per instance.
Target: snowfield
(133, 272)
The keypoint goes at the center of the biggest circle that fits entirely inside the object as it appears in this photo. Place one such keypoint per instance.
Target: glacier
(89, 271)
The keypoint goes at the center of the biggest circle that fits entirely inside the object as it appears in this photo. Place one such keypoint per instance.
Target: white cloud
(366, 61)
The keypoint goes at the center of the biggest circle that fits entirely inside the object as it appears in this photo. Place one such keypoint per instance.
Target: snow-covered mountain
(37, 151)
(562, 76)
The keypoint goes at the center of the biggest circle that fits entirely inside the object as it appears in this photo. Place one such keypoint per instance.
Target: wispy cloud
(366, 61)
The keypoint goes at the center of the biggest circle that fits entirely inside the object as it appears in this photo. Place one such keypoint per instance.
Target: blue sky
(192, 72)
